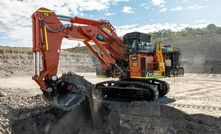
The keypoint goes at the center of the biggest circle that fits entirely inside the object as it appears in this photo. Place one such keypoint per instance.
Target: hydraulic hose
(54, 30)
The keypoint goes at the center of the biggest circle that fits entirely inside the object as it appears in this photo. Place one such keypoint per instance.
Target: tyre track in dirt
(200, 99)
(196, 93)
(193, 90)
(196, 107)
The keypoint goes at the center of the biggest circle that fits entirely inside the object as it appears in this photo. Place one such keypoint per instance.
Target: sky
(125, 15)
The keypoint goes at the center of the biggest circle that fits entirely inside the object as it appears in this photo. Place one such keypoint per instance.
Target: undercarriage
(71, 90)
(132, 90)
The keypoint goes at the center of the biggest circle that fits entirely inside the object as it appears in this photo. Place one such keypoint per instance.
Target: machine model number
(152, 74)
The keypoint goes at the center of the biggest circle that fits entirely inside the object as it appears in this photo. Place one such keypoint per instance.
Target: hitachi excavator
(132, 58)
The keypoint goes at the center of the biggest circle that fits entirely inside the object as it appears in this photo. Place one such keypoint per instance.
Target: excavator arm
(49, 31)
(132, 60)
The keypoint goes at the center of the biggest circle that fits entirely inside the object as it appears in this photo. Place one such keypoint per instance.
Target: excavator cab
(138, 43)
(141, 55)
(147, 60)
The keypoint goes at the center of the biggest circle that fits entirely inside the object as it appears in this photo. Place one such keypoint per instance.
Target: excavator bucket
(70, 98)
(70, 92)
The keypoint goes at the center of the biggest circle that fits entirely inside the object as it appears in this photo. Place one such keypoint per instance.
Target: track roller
(127, 90)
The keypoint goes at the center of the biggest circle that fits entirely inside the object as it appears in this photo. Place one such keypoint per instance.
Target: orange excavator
(132, 58)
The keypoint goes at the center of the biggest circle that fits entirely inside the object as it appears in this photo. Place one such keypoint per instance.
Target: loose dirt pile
(21, 112)
(24, 112)
(139, 118)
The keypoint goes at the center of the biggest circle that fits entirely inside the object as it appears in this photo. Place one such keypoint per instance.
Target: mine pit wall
(75, 62)
(200, 54)
(19, 62)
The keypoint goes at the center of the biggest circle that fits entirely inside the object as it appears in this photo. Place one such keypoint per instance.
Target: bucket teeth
(73, 99)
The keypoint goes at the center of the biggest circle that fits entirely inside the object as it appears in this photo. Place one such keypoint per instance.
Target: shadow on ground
(165, 100)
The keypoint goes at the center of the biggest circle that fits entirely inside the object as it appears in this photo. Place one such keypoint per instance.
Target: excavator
(133, 59)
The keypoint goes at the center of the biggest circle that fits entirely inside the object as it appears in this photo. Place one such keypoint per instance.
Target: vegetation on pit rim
(188, 31)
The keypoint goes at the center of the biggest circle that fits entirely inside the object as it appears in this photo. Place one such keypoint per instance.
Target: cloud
(202, 21)
(143, 4)
(109, 14)
(121, 30)
(195, 7)
(163, 9)
(15, 17)
(127, 9)
(184, 1)
(160, 3)
(204, 0)
(147, 8)
(176, 9)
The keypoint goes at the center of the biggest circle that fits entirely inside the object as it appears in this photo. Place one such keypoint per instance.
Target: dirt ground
(192, 106)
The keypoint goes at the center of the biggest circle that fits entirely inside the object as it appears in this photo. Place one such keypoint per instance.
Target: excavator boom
(132, 58)
(48, 33)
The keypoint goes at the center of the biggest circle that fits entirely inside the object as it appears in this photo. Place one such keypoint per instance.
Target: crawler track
(132, 90)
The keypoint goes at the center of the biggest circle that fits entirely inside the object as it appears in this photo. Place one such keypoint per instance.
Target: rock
(2, 94)
(2, 131)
